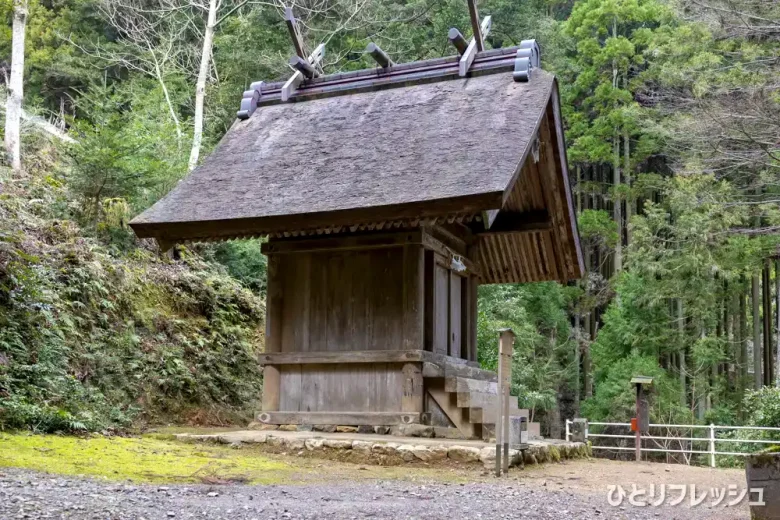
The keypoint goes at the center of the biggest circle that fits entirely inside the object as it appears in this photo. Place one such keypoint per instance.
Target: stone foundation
(369, 450)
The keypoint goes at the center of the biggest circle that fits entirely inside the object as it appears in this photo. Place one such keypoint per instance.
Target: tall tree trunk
(681, 354)
(757, 377)
(627, 171)
(777, 315)
(161, 80)
(200, 86)
(743, 335)
(13, 107)
(617, 214)
(766, 290)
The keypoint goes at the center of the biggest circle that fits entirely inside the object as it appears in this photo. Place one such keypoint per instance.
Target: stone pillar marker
(579, 430)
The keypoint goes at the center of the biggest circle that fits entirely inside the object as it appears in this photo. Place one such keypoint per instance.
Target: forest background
(672, 113)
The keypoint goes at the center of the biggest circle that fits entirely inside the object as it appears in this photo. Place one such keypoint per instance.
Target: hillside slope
(95, 336)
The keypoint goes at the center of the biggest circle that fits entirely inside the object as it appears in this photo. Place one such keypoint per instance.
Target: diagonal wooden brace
(471, 51)
(314, 59)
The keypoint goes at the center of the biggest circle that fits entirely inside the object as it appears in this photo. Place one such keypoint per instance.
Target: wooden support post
(273, 335)
(475, 26)
(506, 342)
(457, 39)
(471, 51)
(473, 316)
(413, 297)
(379, 55)
(413, 397)
(638, 432)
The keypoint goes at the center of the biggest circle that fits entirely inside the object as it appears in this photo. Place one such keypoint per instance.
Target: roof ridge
(492, 61)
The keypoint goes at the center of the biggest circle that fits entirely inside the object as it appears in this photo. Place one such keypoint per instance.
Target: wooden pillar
(473, 315)
(505, 345)
(273, 335)
(413, 297)
(413, 397)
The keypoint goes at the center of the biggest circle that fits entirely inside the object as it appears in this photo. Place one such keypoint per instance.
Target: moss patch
(155, 458)
(140, 459)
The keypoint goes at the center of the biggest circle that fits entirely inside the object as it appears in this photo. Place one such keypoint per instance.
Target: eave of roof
(200, 224)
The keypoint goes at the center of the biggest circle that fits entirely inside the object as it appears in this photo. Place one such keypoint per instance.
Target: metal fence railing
(713, 438)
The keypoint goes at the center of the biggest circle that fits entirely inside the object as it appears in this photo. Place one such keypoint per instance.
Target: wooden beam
(457, 39)
(292, 84)
(475, 26)
(372, 241)
(341, 418)
(454, 366)
(447, 401)
(413, 399)
(519, 222)
(471, 51)
(295, 33)
(433, 244)
(303, 66)
(345, 356)
(379, 55)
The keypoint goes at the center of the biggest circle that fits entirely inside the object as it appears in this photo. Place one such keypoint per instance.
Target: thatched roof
(363, 148)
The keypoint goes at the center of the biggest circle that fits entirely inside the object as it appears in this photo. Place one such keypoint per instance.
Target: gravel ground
(29, 494)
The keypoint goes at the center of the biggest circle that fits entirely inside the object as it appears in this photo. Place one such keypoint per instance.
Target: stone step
(482, 400)
(436, 370)
(462, 384)
(489, 431)
(488, 415)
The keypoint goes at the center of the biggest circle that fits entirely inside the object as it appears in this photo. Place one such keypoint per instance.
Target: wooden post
(273, 335)
(295, 34)
(413, 297)
(379, 55)
(457, 39)
(638, 433)
(475, 25)
(412, 400)
(506, 341)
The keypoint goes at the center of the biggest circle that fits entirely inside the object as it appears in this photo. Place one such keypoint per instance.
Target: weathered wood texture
(341, 301)
(340, 418)
(430, 143)
(537, 254)
(342, 388)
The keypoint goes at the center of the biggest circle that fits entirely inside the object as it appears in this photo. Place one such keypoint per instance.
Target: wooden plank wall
(343, 300)
(365, 387)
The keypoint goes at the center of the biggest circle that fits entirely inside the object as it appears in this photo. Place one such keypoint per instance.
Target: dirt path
(575, 490)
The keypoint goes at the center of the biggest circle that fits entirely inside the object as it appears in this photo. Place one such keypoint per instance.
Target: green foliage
(90, 340)
(764, 406)
(542, 360)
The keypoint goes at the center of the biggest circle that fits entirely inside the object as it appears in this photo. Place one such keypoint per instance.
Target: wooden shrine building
(388, 196)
